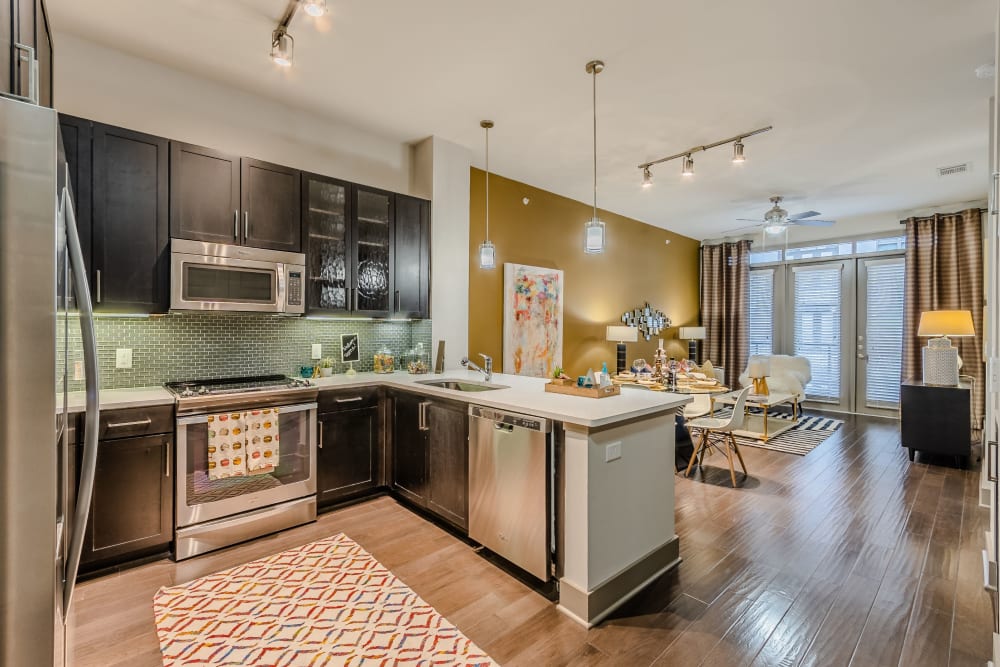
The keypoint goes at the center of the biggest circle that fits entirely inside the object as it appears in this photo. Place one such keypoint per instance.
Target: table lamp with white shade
(941, 361)
(693, 335)
(622, 334)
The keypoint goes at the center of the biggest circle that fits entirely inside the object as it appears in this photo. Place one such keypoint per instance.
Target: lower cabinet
(346, 461)
(430, 456)
(132, 511)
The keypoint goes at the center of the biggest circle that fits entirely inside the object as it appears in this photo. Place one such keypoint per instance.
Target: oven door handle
(282, 409)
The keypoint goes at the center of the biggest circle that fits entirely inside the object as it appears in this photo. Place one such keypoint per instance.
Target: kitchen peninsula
(614, 481)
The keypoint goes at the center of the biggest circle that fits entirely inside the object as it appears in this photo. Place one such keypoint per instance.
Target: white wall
(100, 83)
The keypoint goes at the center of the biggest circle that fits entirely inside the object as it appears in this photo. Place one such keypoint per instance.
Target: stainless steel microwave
(216, 276)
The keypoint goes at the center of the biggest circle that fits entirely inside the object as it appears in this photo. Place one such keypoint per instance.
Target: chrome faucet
(487, 368)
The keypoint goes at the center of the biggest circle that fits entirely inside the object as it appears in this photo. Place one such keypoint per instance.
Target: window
(881, 245)
(761, 311)
(826, 250)
(764, 256)
(883, 332)
(817, 327)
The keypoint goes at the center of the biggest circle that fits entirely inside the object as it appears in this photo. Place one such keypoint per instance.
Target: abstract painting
(532, 320)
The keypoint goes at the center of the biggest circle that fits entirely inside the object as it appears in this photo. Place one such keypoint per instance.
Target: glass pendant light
(487, 251)
(593, 239)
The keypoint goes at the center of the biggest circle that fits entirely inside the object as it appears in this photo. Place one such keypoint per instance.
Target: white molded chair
(718, 433)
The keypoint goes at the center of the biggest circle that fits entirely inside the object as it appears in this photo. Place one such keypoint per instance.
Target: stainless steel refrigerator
(45, 316)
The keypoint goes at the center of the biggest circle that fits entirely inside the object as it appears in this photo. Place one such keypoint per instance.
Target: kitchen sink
(461, 385)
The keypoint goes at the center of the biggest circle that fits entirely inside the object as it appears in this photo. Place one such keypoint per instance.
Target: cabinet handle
(423, 416)
(97, 286)
(166, 469)
(319, 428)
(355, 292)
(246, 225)
(140, 422)
(236, 224)
(397, 301)
(353, 399)
(991, 447)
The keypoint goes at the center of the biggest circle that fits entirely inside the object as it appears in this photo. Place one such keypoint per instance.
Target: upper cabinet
(25, 26)
(220, 198)
(412, 262)
(368, 250)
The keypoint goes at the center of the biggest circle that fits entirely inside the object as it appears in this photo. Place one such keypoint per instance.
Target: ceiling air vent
(953, 169)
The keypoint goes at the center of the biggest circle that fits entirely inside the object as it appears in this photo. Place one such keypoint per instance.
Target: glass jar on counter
(417, 360)
(385, 362)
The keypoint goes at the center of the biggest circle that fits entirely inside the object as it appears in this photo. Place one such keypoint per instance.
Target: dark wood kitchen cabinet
(25, 22)
(448, 461)
(373, 251)
(129, 226)
(132, 509)
(411, 263)
(430, 456)
(220, 198)
(348, 445)
(77, 143)
(326, 241)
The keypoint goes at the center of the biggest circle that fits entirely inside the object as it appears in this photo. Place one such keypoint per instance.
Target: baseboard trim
(590, 608)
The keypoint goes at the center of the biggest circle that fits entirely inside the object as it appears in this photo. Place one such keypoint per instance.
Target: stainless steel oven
(213, 513)
(215, 276)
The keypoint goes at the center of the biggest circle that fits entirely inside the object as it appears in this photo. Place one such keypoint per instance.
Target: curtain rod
(903, 222)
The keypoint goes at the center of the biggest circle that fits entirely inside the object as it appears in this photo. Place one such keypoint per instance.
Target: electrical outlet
(613, 451)
(123, 357)
(77, 370)
(317, 351)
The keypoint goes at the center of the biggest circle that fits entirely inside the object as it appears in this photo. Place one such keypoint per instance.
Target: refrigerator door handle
(88, 466)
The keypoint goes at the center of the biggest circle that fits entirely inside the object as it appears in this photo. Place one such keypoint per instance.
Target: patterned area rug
(326, 603)
(801, 439)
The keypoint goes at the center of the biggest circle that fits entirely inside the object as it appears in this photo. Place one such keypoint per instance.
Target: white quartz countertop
(115, 399)
(519, 394)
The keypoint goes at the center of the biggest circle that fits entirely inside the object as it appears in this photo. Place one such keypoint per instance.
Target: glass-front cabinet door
(373, 251)
(326, 205)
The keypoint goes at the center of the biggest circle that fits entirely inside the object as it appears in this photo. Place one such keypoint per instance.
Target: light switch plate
(123, 357)
(317, 350)
(613, 451)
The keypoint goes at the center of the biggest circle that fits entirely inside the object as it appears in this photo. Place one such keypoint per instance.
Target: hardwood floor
(848, 556)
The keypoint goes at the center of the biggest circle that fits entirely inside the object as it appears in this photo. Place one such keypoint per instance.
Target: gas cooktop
(235, 386)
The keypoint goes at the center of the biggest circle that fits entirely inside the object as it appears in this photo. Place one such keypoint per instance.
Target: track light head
(738, 157)
(647, 177)
(688, 168)
(314, 8)
(282, 47)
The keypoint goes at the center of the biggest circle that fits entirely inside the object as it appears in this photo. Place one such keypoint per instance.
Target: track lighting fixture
(487, 251)
(687, 169)
(593, 231)
(314, 8)
(282, 47)
(282, 44)
(738, 157)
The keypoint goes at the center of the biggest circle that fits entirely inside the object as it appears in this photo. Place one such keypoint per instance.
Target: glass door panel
(819, 325)
(327, 245)
(879, 335)
(373, 213)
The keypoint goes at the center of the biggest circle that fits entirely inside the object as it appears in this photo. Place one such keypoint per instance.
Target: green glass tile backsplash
(185, 346)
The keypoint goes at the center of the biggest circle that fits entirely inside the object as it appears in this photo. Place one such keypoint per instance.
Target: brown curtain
(944, 271)
(725, 280)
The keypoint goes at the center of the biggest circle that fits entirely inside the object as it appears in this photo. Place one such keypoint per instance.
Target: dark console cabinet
(936, 419)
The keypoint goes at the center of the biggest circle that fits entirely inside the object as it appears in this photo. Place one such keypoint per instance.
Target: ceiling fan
(777, 220)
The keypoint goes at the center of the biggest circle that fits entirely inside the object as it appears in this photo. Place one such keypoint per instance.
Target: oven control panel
(294, 288)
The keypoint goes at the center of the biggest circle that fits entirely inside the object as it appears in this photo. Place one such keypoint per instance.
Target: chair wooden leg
(729, 457)
(694, 454)
(736, 449)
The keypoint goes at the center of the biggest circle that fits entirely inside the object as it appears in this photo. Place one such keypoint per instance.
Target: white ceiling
(867, 97)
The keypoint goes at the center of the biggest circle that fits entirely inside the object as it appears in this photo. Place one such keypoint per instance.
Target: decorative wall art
(647, 319)
(532, 320)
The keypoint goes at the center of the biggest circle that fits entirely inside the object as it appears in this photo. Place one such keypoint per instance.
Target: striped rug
(326, 603)
(801, 439)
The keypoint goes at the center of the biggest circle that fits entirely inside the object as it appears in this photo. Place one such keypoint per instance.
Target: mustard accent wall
(636, 266)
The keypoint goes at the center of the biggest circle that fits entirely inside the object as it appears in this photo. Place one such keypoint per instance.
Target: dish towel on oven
(226, 445)
(262, 440)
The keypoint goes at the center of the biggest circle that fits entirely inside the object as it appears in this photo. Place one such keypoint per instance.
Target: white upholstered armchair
(788, 374)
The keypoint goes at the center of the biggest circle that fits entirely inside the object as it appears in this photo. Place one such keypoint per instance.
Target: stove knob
(203, 389)
(187, 392)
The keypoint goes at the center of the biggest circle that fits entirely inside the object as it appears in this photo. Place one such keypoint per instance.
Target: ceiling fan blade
(804, 214)
(812, 223)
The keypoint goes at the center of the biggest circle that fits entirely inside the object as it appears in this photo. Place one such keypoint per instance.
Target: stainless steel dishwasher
(510, 460)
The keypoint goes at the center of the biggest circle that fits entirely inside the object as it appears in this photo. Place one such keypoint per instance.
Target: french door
(846, 317)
